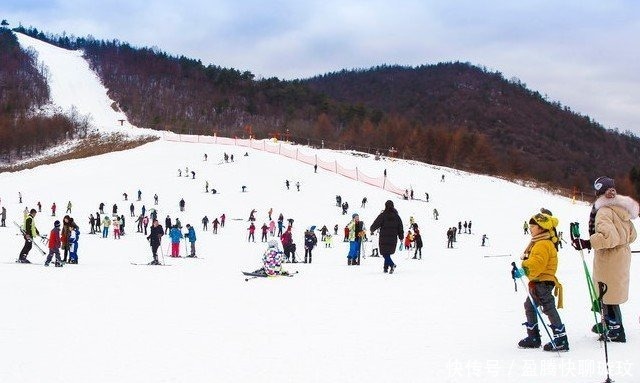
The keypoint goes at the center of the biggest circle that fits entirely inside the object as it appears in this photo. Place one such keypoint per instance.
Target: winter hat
(388, 204)
(355, 215)
(602, 184)
(273, 243)
(545, 221)
(56, 224)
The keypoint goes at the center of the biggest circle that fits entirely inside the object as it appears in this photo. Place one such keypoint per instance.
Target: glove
(580, 244)
(518, 272)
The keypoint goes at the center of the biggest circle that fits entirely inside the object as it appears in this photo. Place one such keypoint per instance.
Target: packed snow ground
(452, 317)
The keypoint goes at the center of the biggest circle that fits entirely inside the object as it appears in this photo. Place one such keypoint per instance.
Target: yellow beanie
(545, 221)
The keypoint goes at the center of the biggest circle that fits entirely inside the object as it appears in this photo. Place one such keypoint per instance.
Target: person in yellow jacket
(540, 263)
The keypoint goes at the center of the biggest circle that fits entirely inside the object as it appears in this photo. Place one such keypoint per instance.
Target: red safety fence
(290, 152)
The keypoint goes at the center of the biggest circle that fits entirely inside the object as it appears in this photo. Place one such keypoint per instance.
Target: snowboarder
(155, 238)
(54, 245)
(540, 263)
(391, 230)
(30, 233)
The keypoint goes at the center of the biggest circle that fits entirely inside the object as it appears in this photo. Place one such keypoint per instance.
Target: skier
(426, 196)
(122, 224)
(345, 207)
(459, 227)
(469, 227)
(215, 224)
(132, 209)
(450, 237)
(53, 209)
(270, 212)
(364, 202)
(98, 223)
(328, 240)
(181, 204)
(484, 239)
(323, 232)
(272, 228)
(193, 175)
(286, 182)
(155, 238)
(74, 236)
(272, 259)
(223, 217)
(610, 233)
(252, 229)
(310, 241)
(145, 223)
(39, 207)
(101, 208)
(125, 196)
(3, 217)
(465, 225)
(19, 197)
(335, 229)
(287, 241)
(435, 214)
(280, 225)
(191, 235)
(30, 232)
(139, 195)
(176, 235)
(64, 236)
(143, 209)
(155, 199)
(114, 209)
(525, 227)
(391, 230)
(298, 185)
(205, 223)
(338, 201)
(54, 245)
(206, 186)
(92, 224)
(540, 263)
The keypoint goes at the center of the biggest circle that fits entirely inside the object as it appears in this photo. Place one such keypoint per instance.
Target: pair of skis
(261, 274)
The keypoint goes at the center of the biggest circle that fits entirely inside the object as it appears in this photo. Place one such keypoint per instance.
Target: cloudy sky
(577, 52)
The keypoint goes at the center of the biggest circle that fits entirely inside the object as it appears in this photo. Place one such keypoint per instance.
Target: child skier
(176, 235)
(540, 263)
(74, 235)
(272, 259)
(54, 245)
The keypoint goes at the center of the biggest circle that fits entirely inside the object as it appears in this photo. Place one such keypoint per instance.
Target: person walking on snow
(355, 236)
(610, 233)
(74, 236)
(176, 235)
(391, 231)
(181, 204)
(310, 241)
(417, 239)
(167, 224)
(3, 217)
(54, 245)
(214, 225)
(191, 236)
(53, 209)
(264, 230)
(106, 223)
(205, 223)
(132, 209)
(540, 264)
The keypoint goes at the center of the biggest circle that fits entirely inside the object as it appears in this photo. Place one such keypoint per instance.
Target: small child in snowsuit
(272, 259)
(54, 245)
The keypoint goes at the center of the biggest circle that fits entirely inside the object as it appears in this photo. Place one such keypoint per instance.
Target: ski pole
(595, 306)
(514, 275)
(602, 289)
(162, 253)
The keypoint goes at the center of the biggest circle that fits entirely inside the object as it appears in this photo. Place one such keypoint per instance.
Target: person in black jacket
(391, 230)
(155, 236)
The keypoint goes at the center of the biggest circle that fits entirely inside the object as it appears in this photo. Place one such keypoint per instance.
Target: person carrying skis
(539, 264)
(610, 233)
(391, 231)
(176, 235)
(191, 236)
(155, 239)
(54, 245)
(29, 233)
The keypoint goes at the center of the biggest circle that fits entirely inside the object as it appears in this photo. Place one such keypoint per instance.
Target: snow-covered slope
(452, 317)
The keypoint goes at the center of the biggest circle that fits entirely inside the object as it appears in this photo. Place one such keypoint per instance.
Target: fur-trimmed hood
(627, 203)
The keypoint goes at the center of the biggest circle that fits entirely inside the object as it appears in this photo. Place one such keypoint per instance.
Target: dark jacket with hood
(391, 229)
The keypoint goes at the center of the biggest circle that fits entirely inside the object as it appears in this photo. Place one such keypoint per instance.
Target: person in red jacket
(54, 245)
(252, 229)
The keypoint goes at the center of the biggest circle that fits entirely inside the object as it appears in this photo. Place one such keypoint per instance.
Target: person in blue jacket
(191, 235)
(74, 236)
(176, 235)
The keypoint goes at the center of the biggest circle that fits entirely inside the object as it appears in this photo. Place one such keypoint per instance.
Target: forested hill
(452, 114)
(527, 133)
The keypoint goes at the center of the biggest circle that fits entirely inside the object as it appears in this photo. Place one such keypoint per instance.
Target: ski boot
(23, 260)
(46, 264)
(391, 268)
(58, 264)
(559, 339)
(614, 333)
(349, 262)
(533, 336)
